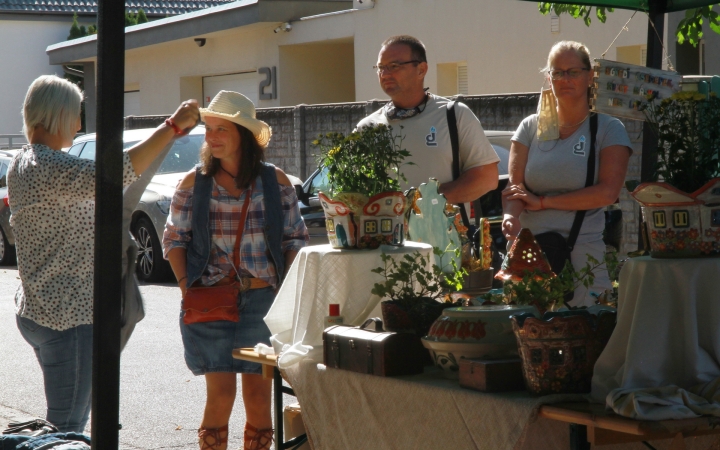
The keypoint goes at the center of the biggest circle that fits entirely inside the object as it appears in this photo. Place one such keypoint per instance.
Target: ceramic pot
(411, 317)
(473, 332)
(478, 283)
(355, 221)
(559, 351)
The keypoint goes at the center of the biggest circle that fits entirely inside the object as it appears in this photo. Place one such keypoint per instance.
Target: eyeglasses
(392, 67)
(557, 74)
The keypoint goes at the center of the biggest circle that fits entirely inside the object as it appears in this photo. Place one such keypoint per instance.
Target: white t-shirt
(427, 138)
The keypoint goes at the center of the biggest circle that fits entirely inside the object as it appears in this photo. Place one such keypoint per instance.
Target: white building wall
(504, 43)
(24, 59)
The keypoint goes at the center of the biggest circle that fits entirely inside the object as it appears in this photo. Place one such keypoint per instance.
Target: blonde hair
(579, 48)
(53, 103)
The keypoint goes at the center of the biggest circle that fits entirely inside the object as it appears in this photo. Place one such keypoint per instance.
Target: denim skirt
(209, 345)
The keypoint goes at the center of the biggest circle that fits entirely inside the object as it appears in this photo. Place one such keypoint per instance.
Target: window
(88, 151)
(554, 23)
(75, 149)
(318, 183)
(452, 79)
(3, 173)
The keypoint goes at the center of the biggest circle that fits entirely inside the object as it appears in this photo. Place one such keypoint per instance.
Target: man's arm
(471, 185)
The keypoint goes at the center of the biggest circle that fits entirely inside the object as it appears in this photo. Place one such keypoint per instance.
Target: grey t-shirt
(560, 166)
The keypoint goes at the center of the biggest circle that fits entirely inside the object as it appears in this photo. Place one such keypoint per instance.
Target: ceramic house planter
(560, 350)
(356, 221)
(679, 224)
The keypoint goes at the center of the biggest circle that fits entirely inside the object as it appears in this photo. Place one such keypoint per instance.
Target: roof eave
(210, 20)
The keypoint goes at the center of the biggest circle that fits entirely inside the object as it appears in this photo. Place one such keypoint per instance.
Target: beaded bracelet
(181, 279)
(178, 131)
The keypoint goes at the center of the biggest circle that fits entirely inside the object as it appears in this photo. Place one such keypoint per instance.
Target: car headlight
(164, 205)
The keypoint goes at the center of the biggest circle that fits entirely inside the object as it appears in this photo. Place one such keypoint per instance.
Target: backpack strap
(589, 181)
(455, 143)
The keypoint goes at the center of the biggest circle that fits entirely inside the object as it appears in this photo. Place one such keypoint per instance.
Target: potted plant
(415, 295)
(559, 349)
(677, 206)
(364, 207)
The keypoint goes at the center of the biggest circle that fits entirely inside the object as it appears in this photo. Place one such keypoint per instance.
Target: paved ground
(161, 401)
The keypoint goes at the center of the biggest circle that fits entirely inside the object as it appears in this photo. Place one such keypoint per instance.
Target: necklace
(231, 175)
(574, 125)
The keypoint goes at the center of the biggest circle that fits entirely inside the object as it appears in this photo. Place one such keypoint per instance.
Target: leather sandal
(211, 439)
(259, 439)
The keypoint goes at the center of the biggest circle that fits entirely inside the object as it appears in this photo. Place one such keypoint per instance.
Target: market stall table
(320, 276)
(667, 329)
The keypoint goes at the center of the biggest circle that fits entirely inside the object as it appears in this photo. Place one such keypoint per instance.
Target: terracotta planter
(356, 221)
(412, 317)
(559, 351)
(478, 283)
(473, 332)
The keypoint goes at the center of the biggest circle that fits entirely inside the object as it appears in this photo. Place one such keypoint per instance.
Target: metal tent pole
(108, 225)
(654, 60)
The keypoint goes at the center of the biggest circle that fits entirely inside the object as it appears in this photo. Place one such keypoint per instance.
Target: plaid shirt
(225, 212)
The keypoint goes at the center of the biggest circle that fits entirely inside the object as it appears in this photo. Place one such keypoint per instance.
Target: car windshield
(183, 155)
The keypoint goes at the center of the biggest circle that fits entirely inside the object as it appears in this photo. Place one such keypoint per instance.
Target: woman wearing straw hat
(231, 193)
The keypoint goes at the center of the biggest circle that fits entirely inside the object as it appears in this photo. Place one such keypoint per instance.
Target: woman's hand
(519, 192)
(510, 227)
(187, 115)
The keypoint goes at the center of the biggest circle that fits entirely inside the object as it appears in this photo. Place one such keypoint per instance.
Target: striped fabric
(225, 212)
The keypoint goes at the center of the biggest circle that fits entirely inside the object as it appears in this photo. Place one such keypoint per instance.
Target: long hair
(252, 156)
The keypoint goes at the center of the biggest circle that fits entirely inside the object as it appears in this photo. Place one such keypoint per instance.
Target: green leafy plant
(408, 280)
(689, 29)
(366, 161)
(545, 292)
(686, 125)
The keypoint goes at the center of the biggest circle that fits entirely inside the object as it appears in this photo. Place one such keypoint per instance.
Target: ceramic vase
(473, 332)
(559, 351)
(356, 221)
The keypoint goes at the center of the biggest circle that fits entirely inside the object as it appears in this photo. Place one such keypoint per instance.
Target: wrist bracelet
(542, 197)
(171, 123)
(181, 279)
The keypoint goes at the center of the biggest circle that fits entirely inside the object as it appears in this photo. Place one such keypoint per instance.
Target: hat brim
(258, 128)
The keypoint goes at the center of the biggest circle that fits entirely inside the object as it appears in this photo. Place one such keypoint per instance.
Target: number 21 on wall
(270, 80)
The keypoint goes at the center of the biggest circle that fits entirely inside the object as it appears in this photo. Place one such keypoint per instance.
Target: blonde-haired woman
(51, 197)
(207, 214)
(549, 164)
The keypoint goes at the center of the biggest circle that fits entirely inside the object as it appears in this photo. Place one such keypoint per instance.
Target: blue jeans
(66, 361)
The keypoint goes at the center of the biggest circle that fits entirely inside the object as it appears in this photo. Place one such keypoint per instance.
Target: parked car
(150, 215)
(7, 239)
(490, 203)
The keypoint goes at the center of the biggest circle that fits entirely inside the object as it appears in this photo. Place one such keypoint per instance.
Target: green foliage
(76, 31)
(689, 29)
(410, 280)
(367, 161)
(686, 125)
(544, 292)
(575, 11)
(141, 17)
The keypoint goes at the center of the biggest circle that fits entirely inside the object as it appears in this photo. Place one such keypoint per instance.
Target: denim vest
(198, 251)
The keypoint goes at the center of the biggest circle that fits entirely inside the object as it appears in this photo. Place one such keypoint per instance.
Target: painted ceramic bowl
(473, 332)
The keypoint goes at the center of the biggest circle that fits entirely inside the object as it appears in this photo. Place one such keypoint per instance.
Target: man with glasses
(421, 118)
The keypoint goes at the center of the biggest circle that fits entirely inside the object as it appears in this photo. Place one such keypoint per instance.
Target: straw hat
(238, 109)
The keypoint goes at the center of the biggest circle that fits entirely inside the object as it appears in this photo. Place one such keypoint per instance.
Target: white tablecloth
(668, 326)
(319, 276)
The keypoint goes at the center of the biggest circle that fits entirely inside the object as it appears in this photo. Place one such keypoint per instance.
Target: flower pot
(559, 351)
(473, 332)
(478, 282)
(356, 221)
(681, 225)
(416, 316)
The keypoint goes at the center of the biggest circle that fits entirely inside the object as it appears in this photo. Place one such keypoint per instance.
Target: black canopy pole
(108, 225)
(656, 16)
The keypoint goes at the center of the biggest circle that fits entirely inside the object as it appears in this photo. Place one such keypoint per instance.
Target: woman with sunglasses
(549, 164)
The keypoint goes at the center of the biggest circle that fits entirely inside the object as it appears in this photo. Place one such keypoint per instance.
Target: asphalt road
(161, 402)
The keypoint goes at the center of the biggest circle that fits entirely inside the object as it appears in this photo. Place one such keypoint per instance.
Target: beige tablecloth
(668, 328)
(319, 276)
(346, 410)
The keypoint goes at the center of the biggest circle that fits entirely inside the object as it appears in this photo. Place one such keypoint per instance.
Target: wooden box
(492, 376)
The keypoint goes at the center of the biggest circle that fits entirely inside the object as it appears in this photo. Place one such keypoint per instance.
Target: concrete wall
(24, 59)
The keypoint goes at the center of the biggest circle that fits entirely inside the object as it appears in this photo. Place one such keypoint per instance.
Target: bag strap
(589, 181)
(455, 143)
(241, 227)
